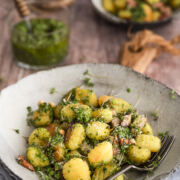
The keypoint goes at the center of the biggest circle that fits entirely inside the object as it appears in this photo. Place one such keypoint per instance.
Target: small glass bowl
(48, 45)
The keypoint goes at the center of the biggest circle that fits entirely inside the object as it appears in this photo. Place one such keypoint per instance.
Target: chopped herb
(29, 109)
(52, 90)
(104, 169)
(85, 99)
(82, 114)
(16, 130)
(87, 81)
(29, 115)
(86, 72)
(155, 116)
(128, 90)
(57, 138)
(138, 12)
(172, 94)
(163, 134)
(155, 164)
(122, 132)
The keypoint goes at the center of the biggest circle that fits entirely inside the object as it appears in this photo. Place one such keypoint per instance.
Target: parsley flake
(17, 131)
(128, 90)
(52, 91)
(87, 82)
(86, 72)
(172, 94)
(163, 134)
(155, 116)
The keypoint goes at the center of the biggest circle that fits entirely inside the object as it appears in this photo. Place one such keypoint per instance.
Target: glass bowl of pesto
(46, 45)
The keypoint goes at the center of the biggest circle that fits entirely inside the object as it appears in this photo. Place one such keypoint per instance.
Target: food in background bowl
(85, 137)
(141, 10)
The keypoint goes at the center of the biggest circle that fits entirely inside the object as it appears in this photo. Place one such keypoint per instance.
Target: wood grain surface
(92, 40)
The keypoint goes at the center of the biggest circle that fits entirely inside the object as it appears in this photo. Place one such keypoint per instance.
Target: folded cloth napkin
(175, 175)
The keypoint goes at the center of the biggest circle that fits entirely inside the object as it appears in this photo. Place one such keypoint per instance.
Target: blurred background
(94, 37)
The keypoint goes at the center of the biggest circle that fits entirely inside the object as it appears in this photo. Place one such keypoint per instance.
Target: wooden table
(92, 40)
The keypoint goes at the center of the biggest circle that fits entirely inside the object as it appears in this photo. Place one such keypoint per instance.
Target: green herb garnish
(155, 116)
(155, 164)
(29, 115)
(138, 13)
(172, 94)
(122, 132)
(128, 90)
(163, 134)
(52, 91)
(17, 131)
(87, 81)
(86, 72)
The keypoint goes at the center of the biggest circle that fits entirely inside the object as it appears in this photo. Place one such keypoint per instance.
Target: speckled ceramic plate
(97, 4)
(146, 95)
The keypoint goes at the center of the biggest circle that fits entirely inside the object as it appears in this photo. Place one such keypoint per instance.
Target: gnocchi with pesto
(141, 11)
(84, 137)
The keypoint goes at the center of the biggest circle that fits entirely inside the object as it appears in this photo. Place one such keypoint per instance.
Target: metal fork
(158, 157)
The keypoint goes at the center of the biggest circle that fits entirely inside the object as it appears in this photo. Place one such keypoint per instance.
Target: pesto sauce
(46, 45)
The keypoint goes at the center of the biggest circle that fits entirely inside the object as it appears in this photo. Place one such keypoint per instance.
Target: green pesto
(122, 132)
(57, 138)
(82, 115)
(46, 45)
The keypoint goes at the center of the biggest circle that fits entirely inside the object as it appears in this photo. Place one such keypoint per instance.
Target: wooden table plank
(92, 40)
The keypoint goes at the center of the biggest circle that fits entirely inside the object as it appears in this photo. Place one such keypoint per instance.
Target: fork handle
(123, 170)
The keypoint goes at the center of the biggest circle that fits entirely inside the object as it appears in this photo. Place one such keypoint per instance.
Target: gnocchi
(85, 137)
(76, 169)
(101, 154)
(97, 130)
(103, 114)
(39, 136)
(37, 157)
(150, 142)
(43, 116)
(80, 112)
(139, 155)
(75, 137)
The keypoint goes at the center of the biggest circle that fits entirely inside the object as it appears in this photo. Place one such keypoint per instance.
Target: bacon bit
(62, 132)
(115, 151)
(166, 11)
(131, 3)
(121, 141)
(158, 5)
(115, 141)
(25, 163)
(126, 141)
